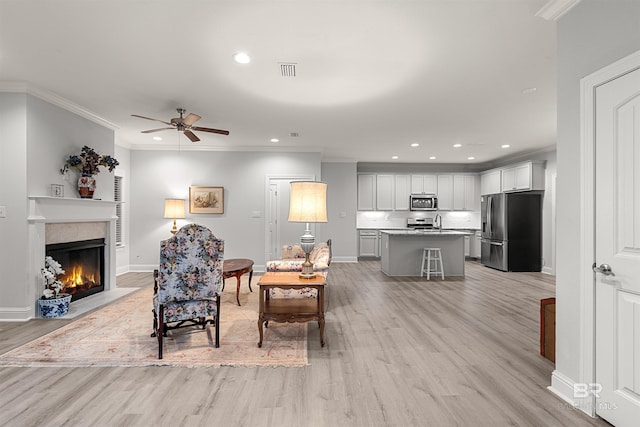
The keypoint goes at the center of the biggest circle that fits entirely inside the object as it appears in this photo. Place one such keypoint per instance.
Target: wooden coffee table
(237, 267)
(291, 309)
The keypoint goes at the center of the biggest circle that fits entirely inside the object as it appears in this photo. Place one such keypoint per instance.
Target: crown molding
(55, 99)
(554, 9)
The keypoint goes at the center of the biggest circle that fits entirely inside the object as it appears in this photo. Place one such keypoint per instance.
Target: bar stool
(432, 257)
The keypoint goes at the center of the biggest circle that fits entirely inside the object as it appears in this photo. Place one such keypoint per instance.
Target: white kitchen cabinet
(523, 177)
(402, 192)
(445, 192)
(465, 193)
(476, 240)
(467, 245)
(368, 243)
(424, 184)
(366, 192)
(384, 192)
(491, 182)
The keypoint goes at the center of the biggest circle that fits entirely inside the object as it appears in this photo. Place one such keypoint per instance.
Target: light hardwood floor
(399, 352)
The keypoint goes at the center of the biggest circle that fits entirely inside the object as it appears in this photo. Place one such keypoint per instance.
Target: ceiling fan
(183, 124)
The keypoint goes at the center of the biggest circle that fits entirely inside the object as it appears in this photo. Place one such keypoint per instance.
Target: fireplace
(83, 263)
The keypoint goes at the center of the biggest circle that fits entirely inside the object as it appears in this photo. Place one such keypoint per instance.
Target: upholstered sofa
(293, 257)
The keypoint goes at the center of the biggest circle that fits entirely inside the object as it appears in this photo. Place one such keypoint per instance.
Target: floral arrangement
(52, 286)
(89, 161)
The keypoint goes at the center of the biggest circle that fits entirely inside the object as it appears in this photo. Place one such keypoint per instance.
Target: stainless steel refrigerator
(512, 231)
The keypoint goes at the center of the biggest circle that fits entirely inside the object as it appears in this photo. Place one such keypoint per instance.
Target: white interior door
(617, 247)
(279, 230)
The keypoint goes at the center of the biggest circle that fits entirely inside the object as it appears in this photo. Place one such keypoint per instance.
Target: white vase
(54, 307)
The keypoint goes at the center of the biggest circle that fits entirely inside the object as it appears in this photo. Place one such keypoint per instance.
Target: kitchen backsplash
(385, 219)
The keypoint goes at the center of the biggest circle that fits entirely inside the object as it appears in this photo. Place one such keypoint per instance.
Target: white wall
(591, 36)
(157, 175)
(342, 195)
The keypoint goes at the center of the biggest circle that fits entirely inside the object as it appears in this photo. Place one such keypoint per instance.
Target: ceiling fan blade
(190, 119)
(220, 131)
(149, 118)
(155, 130)
(192, 136)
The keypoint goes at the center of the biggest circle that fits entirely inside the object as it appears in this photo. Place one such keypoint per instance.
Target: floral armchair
(188, 282)
(292, 258)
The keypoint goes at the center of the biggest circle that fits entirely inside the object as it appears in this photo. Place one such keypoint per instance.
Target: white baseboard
(141, 268)
(12, 314)
(563, 387)
(548, 270)
(344, 259)
(122, 270)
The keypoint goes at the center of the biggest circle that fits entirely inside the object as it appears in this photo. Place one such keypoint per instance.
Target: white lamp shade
(308, 201)
(174, 208)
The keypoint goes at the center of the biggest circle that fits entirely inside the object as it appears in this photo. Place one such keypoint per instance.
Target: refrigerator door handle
(489, 214)
(491, 242)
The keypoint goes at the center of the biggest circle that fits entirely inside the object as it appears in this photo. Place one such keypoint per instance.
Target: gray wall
(591, 36)
(157, 175)
(13, 193)
(342, 195)
(35, 139)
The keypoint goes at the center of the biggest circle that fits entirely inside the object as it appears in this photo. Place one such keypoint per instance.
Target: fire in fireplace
(83, 263)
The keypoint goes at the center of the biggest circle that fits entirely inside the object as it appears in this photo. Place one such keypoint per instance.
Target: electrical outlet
(3, 211)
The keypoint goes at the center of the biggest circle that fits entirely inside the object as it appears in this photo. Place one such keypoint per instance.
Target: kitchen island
(401, 251)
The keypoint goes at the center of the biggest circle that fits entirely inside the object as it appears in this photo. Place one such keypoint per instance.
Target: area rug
(119, 335)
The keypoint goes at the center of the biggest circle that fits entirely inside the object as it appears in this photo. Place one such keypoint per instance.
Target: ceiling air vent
(294, 134)
(288, 69)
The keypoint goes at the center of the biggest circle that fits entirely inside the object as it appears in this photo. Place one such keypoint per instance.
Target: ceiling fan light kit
(183, 124)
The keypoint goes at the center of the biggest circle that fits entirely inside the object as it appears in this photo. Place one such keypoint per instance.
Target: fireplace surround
(56, 220)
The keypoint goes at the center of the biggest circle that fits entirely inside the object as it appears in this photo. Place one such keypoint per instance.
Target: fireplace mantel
(66, 209)
(45, 210)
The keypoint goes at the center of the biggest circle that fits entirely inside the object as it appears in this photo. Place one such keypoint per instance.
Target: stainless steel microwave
(423, 202)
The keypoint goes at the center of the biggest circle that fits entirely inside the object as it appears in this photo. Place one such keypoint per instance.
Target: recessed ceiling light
(157, 138)
(457, 145)
(470, 158)
(274, 140)
(505, 146)
(241, 58)
(432, 158)
(529, 90)
(394, 157)
(415, 144)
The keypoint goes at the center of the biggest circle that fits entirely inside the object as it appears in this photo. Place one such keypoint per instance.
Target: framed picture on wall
(206, 200)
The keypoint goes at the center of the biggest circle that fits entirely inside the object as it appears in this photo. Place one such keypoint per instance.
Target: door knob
(604, 269)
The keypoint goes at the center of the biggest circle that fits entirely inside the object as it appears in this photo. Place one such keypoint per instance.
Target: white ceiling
(372, 77)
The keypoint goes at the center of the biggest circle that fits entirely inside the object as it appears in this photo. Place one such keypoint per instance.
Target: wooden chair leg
(160, 332)
(217, 319)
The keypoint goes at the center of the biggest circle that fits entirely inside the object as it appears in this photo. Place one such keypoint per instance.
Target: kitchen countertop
(409, 232)
(407, 228)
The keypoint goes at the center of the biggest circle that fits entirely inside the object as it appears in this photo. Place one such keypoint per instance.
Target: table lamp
(308, 203)
(174, 209)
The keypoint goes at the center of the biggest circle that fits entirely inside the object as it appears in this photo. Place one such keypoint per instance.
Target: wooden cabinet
(445, 192)
(366, 192)
(402, 192)
(368, 243)
(424, 184)
(491, 182)
(523, 177)
(465, 193)
(384, 192)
